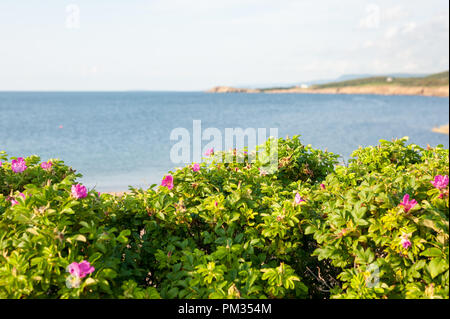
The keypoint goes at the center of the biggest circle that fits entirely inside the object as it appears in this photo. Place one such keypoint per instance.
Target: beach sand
(443, 129)
(441, 91)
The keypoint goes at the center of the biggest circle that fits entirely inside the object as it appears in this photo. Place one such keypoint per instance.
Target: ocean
(117, 139)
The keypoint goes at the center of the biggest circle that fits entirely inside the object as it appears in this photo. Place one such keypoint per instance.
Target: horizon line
(95, 91)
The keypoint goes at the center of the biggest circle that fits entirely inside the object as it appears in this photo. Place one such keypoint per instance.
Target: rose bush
(310, 229)
(383, 222)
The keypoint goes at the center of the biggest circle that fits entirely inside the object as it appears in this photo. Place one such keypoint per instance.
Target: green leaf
(437, 266)
(79, 237)
(431, 252)
(310, 230)
(109, 273)
(172, 293)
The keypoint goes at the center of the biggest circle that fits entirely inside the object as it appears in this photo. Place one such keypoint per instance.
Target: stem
(319, 278)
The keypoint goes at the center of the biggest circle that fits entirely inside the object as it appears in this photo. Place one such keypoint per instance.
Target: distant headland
(431, 85)
(443, 129)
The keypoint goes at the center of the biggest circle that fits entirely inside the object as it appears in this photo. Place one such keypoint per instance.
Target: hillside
(431, 85)
(438, 79)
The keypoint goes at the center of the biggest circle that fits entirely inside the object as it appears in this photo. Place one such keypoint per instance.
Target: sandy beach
(443, 129)
(440, 91)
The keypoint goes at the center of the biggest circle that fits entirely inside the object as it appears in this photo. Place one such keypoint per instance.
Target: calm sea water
(123, 138)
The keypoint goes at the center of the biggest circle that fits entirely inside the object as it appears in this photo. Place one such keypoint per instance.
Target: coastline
(443, 129)
(437, 91)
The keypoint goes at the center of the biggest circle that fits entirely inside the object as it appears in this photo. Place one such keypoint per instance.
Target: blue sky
(197, 44)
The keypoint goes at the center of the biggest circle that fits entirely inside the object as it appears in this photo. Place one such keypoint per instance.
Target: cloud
(395, 13)
(372, 18)
(391, 32)
(409, 27)
(411, 46)
(91, 70)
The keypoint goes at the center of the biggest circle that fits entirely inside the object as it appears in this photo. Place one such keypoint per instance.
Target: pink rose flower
(81, 269)
(405, 243)
(408, 204)
(47, 166)
(167, 181)
(79, 191)
(196, 167)
(298, 199)
(322, 186)
(209, 152)
(440, 181)
(14, 200)
(18, 165)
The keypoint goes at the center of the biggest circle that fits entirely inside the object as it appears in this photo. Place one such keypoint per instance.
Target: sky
(197, 44)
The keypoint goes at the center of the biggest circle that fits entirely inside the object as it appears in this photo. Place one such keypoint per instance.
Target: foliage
(232, 230)
(362, 224)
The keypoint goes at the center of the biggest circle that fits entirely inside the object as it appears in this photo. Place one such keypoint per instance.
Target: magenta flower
(167, 182)
(18, 165)
(209, 152)
(298, 199)
(85, 268)
(46, 165)
(408, 204)
(405, 242)
(81, 269)
(14, 200)
(322, 186)
(440, 181)
(79, 191)
(196, 167)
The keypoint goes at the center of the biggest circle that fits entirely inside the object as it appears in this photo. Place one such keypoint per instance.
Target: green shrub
(231, 230)
(360, 223)
(34, 174)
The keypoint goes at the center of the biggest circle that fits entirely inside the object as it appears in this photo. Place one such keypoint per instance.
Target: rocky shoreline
(440, 91)
(229, 89)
